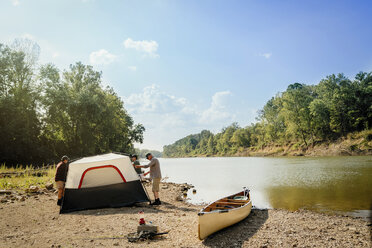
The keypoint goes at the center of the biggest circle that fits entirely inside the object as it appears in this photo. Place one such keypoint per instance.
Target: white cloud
(55, 54)
(265, 55)
(163, 115)
(149, 47)
(101, 57)
(218, 111)
(16, 2)
(168, 118)
(152, 100)
(28, 36)
(132, 68)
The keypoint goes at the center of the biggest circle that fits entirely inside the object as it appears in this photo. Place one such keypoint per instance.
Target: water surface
(328, 184)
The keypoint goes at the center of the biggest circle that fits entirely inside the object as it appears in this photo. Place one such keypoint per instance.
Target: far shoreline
(324, 150)
(357, 144)
(269, 155)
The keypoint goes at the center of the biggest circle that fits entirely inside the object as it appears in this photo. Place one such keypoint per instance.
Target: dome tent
(107, 180)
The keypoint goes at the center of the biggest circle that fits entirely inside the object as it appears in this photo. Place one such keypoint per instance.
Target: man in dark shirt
(136, 162)
(60, 177)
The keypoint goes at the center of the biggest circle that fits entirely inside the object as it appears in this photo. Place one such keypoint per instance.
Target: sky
(184, 66)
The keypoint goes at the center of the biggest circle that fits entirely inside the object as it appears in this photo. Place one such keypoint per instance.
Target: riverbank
(354, 144)
(32, 220)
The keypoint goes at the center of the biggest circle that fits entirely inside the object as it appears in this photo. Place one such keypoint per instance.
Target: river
(327, 184)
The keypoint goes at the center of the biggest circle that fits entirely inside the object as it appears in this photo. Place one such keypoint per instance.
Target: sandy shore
(35, 221)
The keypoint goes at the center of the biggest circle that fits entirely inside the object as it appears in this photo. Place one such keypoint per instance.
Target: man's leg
(60, 193)
(155, 190)
(156, 194)
(61, 189)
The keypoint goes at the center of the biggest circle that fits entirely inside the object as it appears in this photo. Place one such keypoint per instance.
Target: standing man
(155, 175)
(60, 178)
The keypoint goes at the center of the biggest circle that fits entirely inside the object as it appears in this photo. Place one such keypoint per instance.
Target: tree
(362, 113)
(224, 145)
(273, 119)
(45, 113)
(19, 123)
(296, 101)
(211, 146)
(241, 138)
(320, 118)
(82, 118)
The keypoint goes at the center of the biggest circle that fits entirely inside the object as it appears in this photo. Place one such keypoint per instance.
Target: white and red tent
(107, 180)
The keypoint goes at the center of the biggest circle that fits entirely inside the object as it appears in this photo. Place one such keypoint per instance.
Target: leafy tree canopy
(45, 113)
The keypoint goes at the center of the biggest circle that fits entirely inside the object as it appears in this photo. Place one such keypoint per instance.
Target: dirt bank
(355, 144)
(34, 221)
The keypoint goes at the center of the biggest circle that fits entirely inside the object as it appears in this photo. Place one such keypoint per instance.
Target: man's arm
(57, 167)
(152, 163)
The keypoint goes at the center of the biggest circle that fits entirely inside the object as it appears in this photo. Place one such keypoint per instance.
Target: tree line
(141, 153)
(303, 115)
(46, 113)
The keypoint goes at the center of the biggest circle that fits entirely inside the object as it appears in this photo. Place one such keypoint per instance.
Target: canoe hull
(210, 222)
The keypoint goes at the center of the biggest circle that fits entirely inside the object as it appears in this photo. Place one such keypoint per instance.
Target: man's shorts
(155, 184)
(60, 184)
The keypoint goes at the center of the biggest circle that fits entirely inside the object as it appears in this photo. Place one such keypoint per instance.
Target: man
(60, 178)
(155, 175)
(136, 162)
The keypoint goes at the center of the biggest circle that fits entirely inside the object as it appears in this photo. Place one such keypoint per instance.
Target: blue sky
(184, 66)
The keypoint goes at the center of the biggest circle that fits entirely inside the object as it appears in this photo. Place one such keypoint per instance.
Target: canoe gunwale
(222, 211)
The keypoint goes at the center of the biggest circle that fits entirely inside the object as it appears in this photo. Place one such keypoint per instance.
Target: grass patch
(24, 177)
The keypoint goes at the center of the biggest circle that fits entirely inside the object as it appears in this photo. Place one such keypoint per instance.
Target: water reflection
(329, 187)
(339, 184)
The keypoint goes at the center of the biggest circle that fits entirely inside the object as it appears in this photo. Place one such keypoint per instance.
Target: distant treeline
(303, 114)
(46, 113)
(141, 153)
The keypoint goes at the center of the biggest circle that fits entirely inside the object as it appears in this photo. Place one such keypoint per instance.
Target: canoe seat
(241, 197)
(224, 206)
(232, 203)
(218, 208)
(236, 200)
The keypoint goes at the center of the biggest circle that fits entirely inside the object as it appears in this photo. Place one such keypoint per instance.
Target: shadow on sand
(133, 209)
(234, 236)
(168, 205)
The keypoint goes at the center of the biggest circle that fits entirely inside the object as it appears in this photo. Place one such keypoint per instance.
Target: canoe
(223, 213)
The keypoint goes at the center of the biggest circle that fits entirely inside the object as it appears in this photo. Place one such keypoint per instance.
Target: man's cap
(148, 154)
(64, 158)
